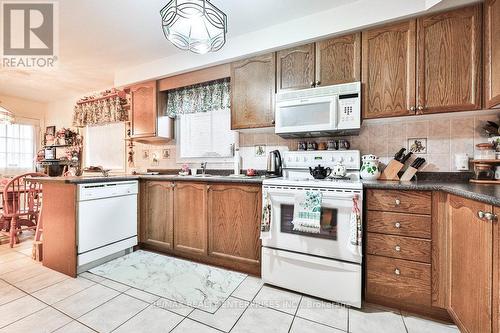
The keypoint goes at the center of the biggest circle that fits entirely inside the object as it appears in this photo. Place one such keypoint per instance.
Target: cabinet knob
(317, 83)
(481, 214)
(273, 122)
(397, 202)
(412, 109)
(311, 84)
(397, 248)
(397, 271)
(397, 225)
(173, 185)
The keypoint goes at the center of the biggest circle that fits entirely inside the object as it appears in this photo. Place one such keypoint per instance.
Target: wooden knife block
(391, 171)
(409, 173)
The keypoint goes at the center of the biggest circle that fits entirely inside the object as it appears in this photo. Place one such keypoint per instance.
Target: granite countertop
(115, 178)
(211, 178)
(489, 194)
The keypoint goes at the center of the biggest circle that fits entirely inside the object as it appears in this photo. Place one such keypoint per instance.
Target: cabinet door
(389, 70)
(190, 218)
(252, 92)
(295, 67)
(492, 53)
(470, 265)
(234, 222)
(496, 271)
(157, 222)
(144, 105)
(338, 60)
(449, 61)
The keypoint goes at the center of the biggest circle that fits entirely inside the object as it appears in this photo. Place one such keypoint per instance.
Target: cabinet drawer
(416, 202)
(400, 280)
(401, 224)
(399, 247)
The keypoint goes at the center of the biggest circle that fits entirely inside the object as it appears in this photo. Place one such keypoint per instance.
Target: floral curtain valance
(205, 97)
(100, 112)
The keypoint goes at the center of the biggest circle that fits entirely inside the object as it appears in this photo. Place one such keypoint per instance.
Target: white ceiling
(98, 37)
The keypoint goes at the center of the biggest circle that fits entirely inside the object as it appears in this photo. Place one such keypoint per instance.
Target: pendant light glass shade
(194, 25)
(6, 116)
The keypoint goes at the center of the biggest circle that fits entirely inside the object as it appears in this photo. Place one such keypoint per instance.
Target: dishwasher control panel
(92, 191)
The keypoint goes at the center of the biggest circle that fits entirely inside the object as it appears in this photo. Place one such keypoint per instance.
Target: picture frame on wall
(50, 130)
(50, 134)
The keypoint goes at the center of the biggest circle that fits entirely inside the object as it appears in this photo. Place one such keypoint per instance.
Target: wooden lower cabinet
(190, 216)
(213, 223)
(157, 224)
(399, 263)
(233, 215)
(470, 262)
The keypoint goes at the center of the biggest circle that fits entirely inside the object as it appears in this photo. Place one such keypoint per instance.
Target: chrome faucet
(203, 168)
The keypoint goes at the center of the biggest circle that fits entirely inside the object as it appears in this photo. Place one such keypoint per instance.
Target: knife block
(409, 173)
(391, 171)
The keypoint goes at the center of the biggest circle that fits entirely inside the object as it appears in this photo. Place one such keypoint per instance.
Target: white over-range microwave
(322, 111)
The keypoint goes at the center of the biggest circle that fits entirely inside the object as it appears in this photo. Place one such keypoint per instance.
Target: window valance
(204, 97)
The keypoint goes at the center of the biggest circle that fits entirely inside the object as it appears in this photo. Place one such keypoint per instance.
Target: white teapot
(339, 170)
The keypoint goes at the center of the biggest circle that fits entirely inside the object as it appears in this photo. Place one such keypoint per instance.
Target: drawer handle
(398, 202)
(397, 248)
(397, 271)
(397, 225)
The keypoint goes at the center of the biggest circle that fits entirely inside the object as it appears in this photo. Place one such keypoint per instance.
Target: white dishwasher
(107, 221)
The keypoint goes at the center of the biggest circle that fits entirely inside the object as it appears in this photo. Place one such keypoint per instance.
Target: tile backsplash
(444, 136)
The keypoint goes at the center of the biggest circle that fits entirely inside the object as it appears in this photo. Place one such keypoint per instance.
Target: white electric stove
(319, 264)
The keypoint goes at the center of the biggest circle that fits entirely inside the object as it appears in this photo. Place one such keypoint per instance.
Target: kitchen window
(17, 148)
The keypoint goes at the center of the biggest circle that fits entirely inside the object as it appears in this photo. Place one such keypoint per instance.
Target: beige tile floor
(36, 299)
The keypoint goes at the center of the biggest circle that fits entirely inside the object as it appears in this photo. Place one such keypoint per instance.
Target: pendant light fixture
(194, 25)
(6, 116)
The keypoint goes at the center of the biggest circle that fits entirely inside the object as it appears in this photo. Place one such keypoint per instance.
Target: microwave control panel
(349, 111)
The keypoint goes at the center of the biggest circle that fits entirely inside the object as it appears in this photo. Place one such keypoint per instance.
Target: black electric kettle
(320, 172)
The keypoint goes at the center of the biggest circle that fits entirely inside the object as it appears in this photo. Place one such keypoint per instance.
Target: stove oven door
(333, 239)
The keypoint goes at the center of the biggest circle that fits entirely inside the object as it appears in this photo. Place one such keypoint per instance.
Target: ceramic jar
(370, 167)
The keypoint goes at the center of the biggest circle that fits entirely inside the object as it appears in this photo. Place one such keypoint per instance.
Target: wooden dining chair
(22, 202)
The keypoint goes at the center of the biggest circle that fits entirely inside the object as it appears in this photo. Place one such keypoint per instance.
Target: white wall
(60, 113)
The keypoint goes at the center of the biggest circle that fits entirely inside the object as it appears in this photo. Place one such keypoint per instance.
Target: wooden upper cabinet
(449, 61)
(388, 65)
(190, 218)
(234, 223)
(295, 67)
(157, 217)
(144, 109)
(338, 60)
(492, 53)
(253, 83)
(470, 242)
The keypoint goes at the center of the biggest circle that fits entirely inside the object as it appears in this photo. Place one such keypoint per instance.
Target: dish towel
(265, 223)
(355, 235)
(307, 212)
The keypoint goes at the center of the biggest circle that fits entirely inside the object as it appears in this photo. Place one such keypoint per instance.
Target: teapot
(320, 172)
(339, 170)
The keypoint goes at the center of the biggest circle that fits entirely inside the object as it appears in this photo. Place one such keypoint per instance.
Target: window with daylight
(17, 148)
